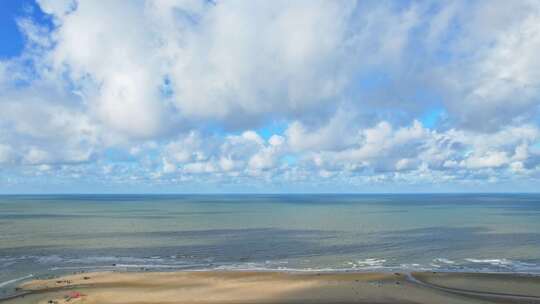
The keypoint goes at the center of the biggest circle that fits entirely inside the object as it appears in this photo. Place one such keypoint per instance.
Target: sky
(269, 96)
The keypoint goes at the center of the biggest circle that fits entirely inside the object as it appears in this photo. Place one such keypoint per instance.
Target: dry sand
(280, 287)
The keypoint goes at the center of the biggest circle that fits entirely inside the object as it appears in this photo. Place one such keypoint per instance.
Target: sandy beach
(280, 287)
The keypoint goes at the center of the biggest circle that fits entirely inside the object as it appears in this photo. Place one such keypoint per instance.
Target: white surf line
(15, 280)
(485, 294)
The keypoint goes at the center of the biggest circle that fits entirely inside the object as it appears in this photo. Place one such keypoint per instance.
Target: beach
(279, 287)
(270, 248)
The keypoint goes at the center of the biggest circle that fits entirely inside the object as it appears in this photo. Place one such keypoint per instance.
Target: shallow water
(44, 235)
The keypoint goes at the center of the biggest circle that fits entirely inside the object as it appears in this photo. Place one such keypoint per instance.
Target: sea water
(46, 235)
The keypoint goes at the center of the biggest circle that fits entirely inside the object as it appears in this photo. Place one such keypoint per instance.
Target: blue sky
(242, 96)
(12, 38)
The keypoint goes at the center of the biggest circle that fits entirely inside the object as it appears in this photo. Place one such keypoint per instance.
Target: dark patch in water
(263, 244)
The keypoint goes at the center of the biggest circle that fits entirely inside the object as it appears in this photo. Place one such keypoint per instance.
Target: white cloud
(176, 89)
(57, 7)
(383, 148)
(113, 64)
(383, 142)
(199, 167)
(258, 58)
(168, 167)
(145, 64)
(234, 154)
(38, 122)
(337, 133)
(496, 75)
(486, 160)
(189, 148)
(6, 154)
(36, 156)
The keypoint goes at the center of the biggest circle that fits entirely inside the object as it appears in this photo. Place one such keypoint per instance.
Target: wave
(6, 283)
(131, 266)
(371, 263)
(58, 260)
(262, 267)
(506, 264)
(494, 262)
(59, 263)
(444, 261)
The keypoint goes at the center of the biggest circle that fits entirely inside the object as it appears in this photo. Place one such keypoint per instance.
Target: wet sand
(280, 287)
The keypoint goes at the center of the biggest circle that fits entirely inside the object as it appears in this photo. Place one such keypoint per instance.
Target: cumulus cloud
(495, 76)
(6, 154)
(240, 59)
(233, 155)
(145, 65)
(361, 92)
(385, 149)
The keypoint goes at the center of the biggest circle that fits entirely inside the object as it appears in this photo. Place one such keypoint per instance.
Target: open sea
(45, 235)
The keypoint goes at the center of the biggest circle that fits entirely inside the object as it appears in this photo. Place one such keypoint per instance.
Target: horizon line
(262, 193)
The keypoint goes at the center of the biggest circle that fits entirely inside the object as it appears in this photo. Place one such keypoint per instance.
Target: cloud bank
(263, 96)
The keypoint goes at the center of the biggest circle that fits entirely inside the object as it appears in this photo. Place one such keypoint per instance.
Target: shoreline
(226, 286)
(140, 269)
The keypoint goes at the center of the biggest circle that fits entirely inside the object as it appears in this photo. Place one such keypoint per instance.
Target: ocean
(44, 235)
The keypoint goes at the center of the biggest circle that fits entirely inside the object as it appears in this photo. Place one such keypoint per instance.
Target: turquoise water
(44, 235)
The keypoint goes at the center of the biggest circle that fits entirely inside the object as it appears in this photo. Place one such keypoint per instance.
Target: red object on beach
(75, 294)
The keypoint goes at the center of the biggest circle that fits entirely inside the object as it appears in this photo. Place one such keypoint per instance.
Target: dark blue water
(44, 235)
